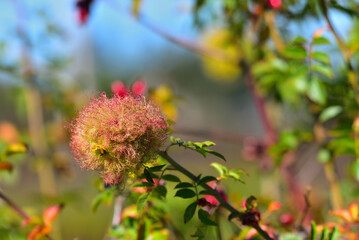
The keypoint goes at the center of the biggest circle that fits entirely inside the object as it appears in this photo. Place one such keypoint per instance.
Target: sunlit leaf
(330, 113)
(320, 41)
(142, 201)
(317, 92)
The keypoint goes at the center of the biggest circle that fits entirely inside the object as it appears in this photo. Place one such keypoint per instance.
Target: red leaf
(38, 231)
(50, 214)
(6, 166)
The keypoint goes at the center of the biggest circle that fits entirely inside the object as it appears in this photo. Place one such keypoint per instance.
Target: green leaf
(324, 155)
(171, 178)
(216, 154)
(324, 234)
(184, 185)
(321, 57)
(290, 236)
(206, 179)
(330, 113)
(142, 201)
(148, 176)
(198, 144)
(313, 231)
(323, 69)
(295, 52)
(208, 144)
(198, 178)
(185, 193)
(334, 234)
(156, 168)
(201, 151)
(205, 192)
(161, 190)
(317, 92)
(299, 40)
(189, 212)
(204, 218)
(222, 170)
(251, 202)
(105, 197)
(199, 234)
(143, 184)
(236, 174)
(320, 41)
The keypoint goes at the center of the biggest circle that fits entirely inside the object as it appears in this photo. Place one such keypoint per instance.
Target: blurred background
(53, 59)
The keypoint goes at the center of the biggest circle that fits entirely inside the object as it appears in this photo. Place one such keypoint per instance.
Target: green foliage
(224, 173)
(142, 201)
(200, 147)
(106, 197)
(204, 218)
(190, 211)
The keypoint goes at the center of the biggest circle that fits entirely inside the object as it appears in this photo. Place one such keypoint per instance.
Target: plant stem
(336, 196)
(214, 192)
(14, 206)
(344, 50)
(259, 103)
(34, 109)
(117, 210)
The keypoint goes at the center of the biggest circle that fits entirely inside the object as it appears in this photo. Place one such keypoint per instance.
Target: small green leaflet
(189, 212)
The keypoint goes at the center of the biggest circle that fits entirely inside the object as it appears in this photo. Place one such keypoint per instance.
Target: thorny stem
(214, 192)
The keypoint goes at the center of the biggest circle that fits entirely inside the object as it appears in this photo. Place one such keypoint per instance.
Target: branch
(215, 134)
(214, 192)
(260, 104)
(117, 211)
(186, 43)
(344, 50)
(14, 206)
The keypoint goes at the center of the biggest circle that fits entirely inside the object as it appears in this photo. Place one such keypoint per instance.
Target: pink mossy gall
(117, 136)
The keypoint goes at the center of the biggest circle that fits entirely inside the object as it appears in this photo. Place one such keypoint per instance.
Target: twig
(260, 104)
(214, 134)
(344, 50)
(14, 206)
(336, 196)
(214, 192)
(117, 210)
(181, 41)
(307, 208)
